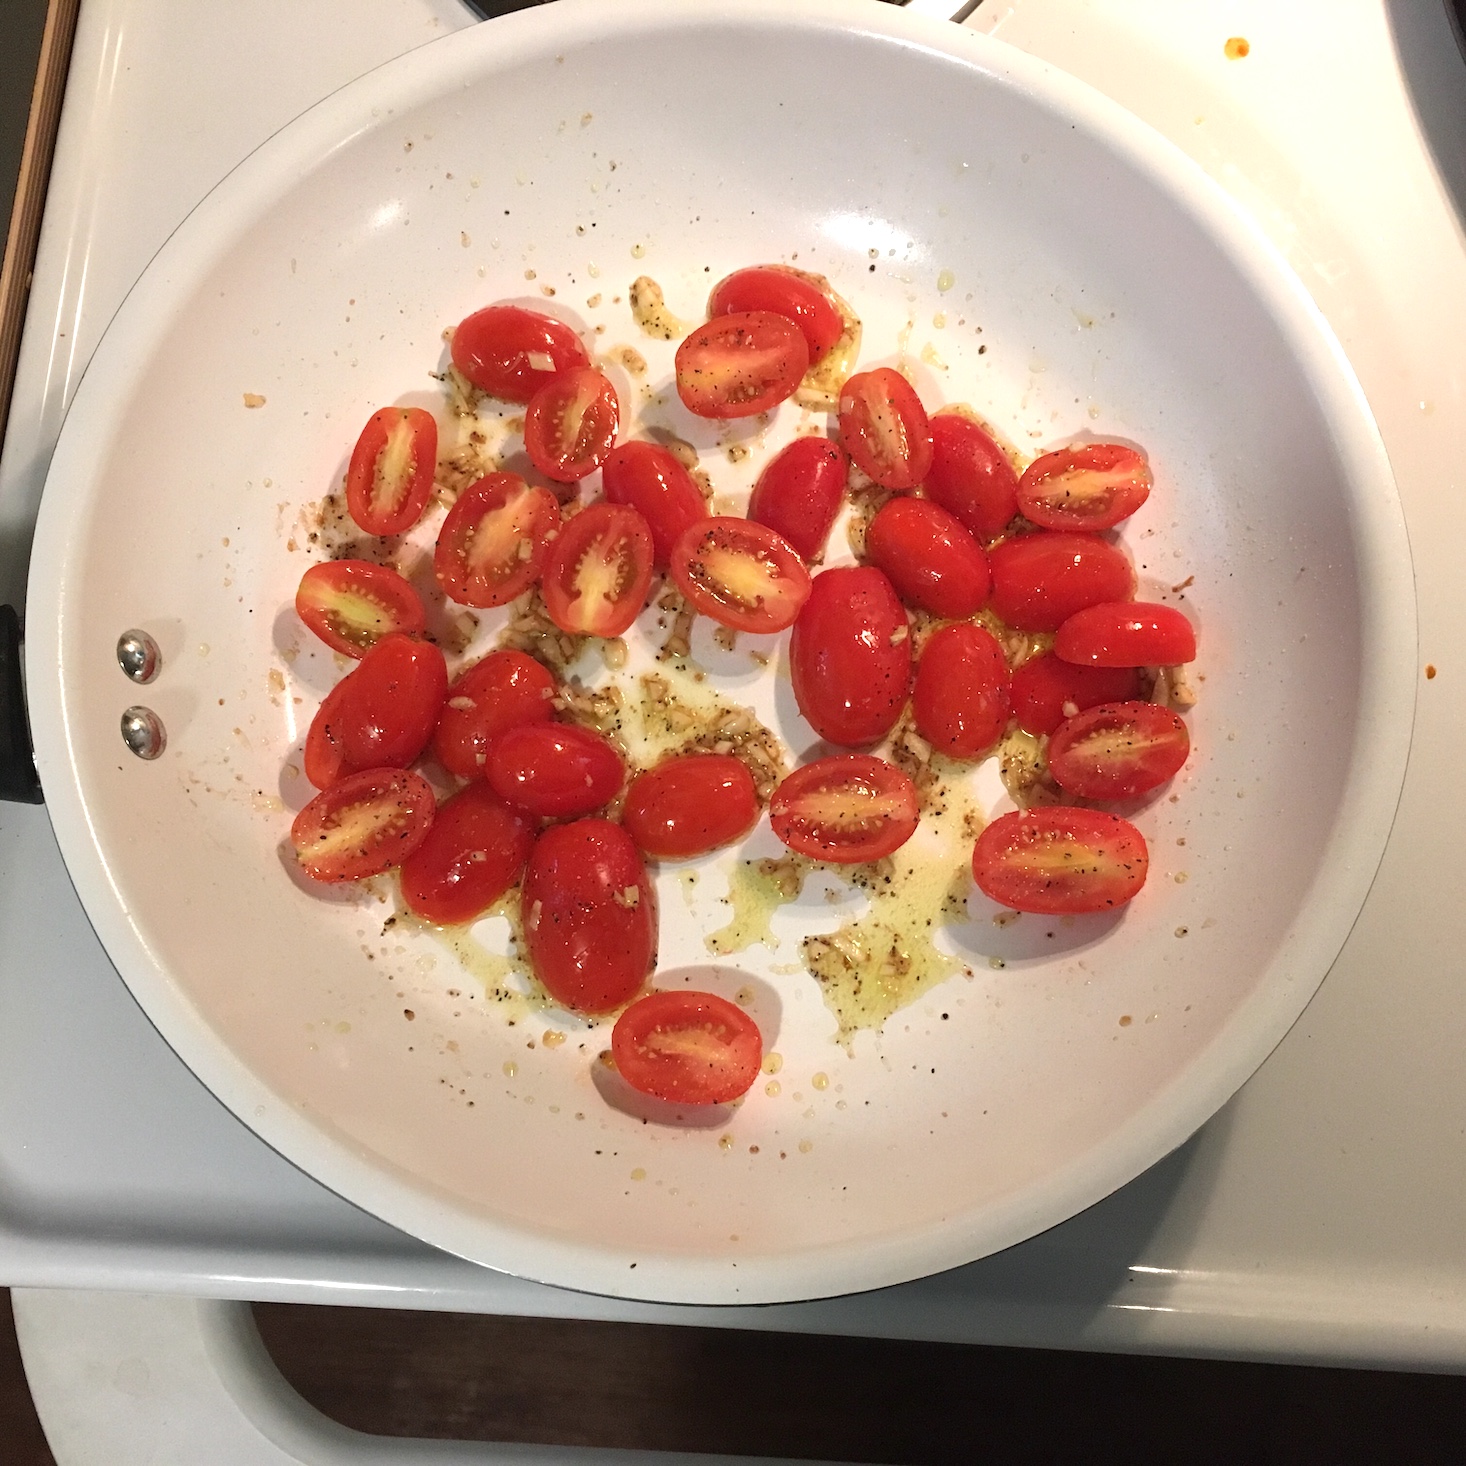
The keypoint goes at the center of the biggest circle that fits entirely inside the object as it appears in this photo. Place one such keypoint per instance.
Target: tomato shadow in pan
(1002, 935)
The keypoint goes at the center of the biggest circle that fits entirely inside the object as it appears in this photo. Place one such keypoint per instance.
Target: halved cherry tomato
(850, 655)
(799, 493)
(970, 476)
(1047, 690)
(742, 574)
(1057, 860)
(352, 604)
(740, 365)
(391, 472)
(570, 424)
(510, 352)
(502, 691)
(785, 292)
(932, 561)
(472, 855)
(1127, 634)
(598, 571)
(687, 1047)
(648, 478)
(1118, 750)
(555, 770)
(961, 700)
(364, 825)
(494, 540)
(848, 808)
(690, 804)
(1091, 486)
(885, 428)
(589, 914)
(1040, 580)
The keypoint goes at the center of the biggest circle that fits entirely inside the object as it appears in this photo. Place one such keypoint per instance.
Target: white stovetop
(1319, 1216)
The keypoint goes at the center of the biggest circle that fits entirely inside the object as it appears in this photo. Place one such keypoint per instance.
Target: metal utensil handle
(18, 781)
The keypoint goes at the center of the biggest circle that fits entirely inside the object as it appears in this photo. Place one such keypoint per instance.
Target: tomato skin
(471, 856)
(785, 293)
(742, 574)
(970, 476)
(352, 604)
(1040, 580)
(589, 913)
(510, 352)
(363, 825)
(1089, 487)
(885, 428)
(1127, 634)
(1118, 750)
(848, 808)
(1057, 860)
(502, 691)
(687, 1047)
(570, 424)
(690, 804)
(494, 541)
(932, 561)
(554, 770)
(597, 574)
(390, 477)
(1044, 685)
(850, 655)
(740, 365)
(961, 700)
(799, 493)
(648, 478)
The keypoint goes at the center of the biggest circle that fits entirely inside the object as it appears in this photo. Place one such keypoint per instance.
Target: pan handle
(18, 781)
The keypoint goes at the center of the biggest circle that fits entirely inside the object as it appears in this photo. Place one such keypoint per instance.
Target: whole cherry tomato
(1047, 690)
(932, 561)
(848, 808)
(1091, 486)
(555, 770)
(741, 365)
(1118, 750)
(471, 856)
(786, 292)
(510, 352)
(742, 574)
(494, 540)
(970, 476)
(391, 473)
(648, 478)
(1057, 860)
(598, 571)
(690, 804)
(352, 604)
(1127, 634)
(1040, 580)
(363, 825)
(961, 698)
(687, 1047)
(799, 493)
(570, 424)
(502, 691)
(885, 428)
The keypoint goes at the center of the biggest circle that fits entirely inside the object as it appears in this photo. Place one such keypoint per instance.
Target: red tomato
(494, 540)
(785, 292)
(1091, 486)
(1118, 750)
(850, 655)
(472, 855)
(961, 699)
(740, 365)
(510, 352)
(970, 476)
(352, 604)
(391, 472)
(502, 691)
(598, 571)
(885, 428)
(1040, 580)
(1056, 860)
(1047, 690)
(687, 1047)
(741, 574)
(364, 825)
(590, 918)
(932, 561)
(848, 808)
(690, 804)
(1127, 634)
(799, 493)
(648, 478)
(554, 770)
(570, 424)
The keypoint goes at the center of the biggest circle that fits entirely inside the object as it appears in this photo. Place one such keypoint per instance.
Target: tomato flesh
(787, 293)
(848, 808)
(598, 571)
(970, 476)
(390, 477)
(555, 770)
(934, 564)
(1127, 634)
(742, 574)
(473, 853)
(689, 805)
(570, 425)
(648, 478)
(510, 352)
(352, 604)
(1118, 750)
(494, 541)
(885, 428)
(1056, 860)
(799, 493)
(1047, 690)
(740, 365)
(961, 699)
(1090, 487)
(688, 1047)
(1040, 580)
(502, 691)
(363, 825)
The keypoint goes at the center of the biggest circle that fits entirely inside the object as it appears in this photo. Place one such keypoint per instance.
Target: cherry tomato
(1040, 580)
(570, 424)
(364, 825)
(555, 770)
(850, 655)
(502, 691)
(352, 604)
(799, 493)
(1057, 860)
(1118, 750)
(598, 571)
(648, 478)
(494, 540)
(848, 808)
(391, 472)
(690, 804)
(590, 917)
(885, 428)
(741, 365)
(687, 1047)
(1127, 634)
(1091, 486)
(742, 574)
(472, 855)
(961, 699)
(510, 352)
(1047, 690)
(970, 476)
(785, 292)
(932, 561)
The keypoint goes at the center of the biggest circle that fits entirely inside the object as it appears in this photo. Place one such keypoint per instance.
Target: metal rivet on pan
(138, 655)
(142, 732)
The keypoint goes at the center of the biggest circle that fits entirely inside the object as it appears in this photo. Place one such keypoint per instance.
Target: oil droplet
(1237, 47)
(805, 1146)
(510, 1068)
(945, 281)
(343, 1027)
(637, 251)
(772, 1088)
(821, 1081)
(553, 1038)
(638, 1174)
(725, 1142)
(773, 1063)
